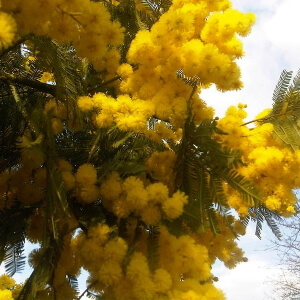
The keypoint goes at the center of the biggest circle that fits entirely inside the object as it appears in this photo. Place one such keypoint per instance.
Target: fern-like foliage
(281, 89)
(12, 238)
(73, 283)
(260, 215)
(285, 114)
(43, 272)
(202, 167)
(125, 152)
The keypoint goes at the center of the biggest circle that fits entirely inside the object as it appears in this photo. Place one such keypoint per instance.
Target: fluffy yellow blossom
(55, 109)
(6, 295)
(157, 192)
(8, 30)
(173, 206)
(137, 198)
(57, 126)
(132, 183)
(86, 174)
(115, 250)
(144, 289)
(124, 70)
(99, 233)
(85, 103)
(161, 164)
(103, 120)
(147, 94)
(64, 165)
(88, 194)
(6, 282)
(111, 187)
(121, 208)
(46, 76)
(151, 214)
(68, 179)
(162, 280)
(110, 272)
(138, 268)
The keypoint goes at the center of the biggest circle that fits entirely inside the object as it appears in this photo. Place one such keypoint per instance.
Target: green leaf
(280, 90)
(261, 214)
(242, 185)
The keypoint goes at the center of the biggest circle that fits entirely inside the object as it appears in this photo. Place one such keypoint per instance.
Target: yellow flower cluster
(86, 178)
(195, 41)
(57, 113)
(8, 30)
(46, 77)
(26, 184)
(174, 43)
(6, 295)
(224, 246)
(9, 290)
(180, 39)
(84, 24)
(161, 166)
(126, 113)
(67, 176)
(180, 258)
(151, 202)
(68, 264)
(61, 116)
(273, 168)
(130, 115)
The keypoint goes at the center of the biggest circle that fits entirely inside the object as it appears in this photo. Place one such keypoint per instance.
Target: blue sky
(273, 45)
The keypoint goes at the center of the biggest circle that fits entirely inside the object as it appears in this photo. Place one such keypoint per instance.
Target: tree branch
(96, 88)
(37, 85)
(267, 118)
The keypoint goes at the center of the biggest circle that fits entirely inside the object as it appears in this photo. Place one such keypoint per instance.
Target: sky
(272, 46)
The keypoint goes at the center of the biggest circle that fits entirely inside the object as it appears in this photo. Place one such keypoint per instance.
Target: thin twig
(266, 118)
(94, 89)
(35, 84)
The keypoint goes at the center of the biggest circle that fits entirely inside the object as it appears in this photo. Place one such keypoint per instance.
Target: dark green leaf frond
(217, 194)
(242, 185)
(202, 167)
(12, 237)
(42, 273)
(287, 131)
(73, 281)
(14, 258)
(261, 214)
(285, 115)
(280, 90)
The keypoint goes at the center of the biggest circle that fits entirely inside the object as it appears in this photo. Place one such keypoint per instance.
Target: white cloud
(255, 278)
(259, 7)
(283, 31)
(248, 281)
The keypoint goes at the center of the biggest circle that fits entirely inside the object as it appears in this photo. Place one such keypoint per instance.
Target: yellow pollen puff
(8, 28)
(86, 174)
